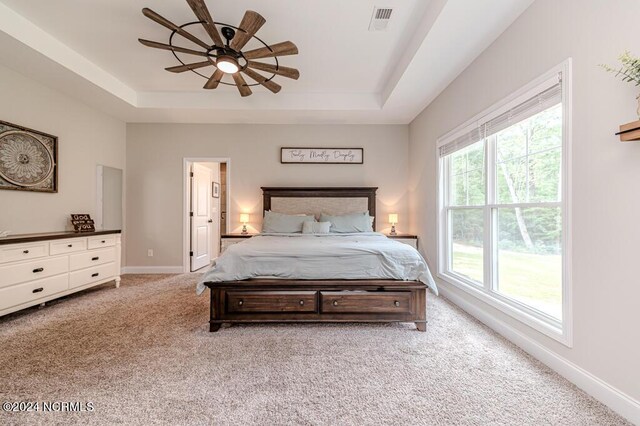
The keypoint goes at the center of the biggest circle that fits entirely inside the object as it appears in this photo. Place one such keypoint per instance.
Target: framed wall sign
(28, 159)
(82, 222)
(215, 190)
(322, 155)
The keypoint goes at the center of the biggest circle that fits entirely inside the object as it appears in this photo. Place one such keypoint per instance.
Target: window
(503, 205)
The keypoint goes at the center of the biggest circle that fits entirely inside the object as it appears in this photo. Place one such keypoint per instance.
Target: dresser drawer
(32, 270)
(101, 241)
(19, 252)
(91, 258)
(23, 293)
(365, 302)
(271, 301)
(67, 246)
(91, 275)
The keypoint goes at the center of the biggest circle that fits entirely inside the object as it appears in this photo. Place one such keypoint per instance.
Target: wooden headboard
(295, 200)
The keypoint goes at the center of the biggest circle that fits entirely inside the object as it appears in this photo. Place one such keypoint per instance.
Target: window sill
(559, 334)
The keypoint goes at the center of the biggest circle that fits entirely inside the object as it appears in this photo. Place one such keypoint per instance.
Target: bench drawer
(33, 270)
(355, 302)
(24, 293)
(271, 301)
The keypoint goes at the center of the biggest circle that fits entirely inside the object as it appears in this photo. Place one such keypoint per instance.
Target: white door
(200, 217)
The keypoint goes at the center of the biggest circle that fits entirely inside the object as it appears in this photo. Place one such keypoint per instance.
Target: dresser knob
(396, 303)
(35, 271)
(301, 302)
(95, 274)
(240, 303)
(26, 252)
(103, 241)
(335, 303)
(95, 258)
(69, 245)
(37, 290)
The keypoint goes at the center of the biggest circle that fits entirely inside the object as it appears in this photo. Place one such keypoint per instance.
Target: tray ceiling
(89, 50)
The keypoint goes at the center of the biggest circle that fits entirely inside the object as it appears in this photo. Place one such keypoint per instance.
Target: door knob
(210, 221)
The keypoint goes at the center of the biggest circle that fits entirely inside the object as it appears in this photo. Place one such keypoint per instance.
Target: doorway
(206, 201)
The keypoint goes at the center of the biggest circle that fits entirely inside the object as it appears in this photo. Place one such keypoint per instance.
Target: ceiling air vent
(380, 18)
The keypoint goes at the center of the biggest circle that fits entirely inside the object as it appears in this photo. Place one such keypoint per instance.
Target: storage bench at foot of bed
(270, 300)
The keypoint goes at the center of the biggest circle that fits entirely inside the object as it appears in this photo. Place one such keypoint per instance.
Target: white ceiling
(89, 50)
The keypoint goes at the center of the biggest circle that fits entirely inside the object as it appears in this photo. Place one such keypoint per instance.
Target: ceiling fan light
(227, 65)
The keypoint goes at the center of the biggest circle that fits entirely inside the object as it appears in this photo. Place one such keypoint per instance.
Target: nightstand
(409, 239)
(227, 240)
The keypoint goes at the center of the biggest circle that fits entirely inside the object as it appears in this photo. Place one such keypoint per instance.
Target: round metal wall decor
(24, 159)
(28, 159)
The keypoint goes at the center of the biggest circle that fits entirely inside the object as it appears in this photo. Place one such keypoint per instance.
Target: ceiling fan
(227, 56)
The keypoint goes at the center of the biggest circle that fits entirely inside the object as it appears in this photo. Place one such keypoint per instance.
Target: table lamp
(393, 219)
(244, 219)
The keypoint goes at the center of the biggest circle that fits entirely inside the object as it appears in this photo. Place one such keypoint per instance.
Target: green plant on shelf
(629, 70)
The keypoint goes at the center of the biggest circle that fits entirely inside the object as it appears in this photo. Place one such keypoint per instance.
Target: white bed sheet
(366, 255)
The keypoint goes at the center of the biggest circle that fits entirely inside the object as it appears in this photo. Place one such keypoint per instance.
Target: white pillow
(355, 222)
(283, 223)
(316, 227)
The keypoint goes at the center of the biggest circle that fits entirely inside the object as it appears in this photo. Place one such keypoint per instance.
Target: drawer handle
(240, 303)
(103, 241)
(69, 245)
(396, 303)
(35, 271)
(37, 290)
(335, 303)
(95, 258)
(302, 303)
(95, 275)
(26, 252)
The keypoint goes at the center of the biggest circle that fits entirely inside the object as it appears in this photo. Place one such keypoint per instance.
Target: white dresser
(35, 268)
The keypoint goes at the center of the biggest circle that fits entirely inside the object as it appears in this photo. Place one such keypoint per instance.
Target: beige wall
(155, 155)
(86, 138)
(606, 173)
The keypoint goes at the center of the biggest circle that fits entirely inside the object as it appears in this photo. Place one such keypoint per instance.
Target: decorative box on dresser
(36, 268)
(227, 240)
(409, 239)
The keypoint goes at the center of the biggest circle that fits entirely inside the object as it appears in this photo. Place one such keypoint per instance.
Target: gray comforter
(368, 255)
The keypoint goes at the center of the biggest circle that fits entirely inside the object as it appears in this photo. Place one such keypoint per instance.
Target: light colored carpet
(142, 354)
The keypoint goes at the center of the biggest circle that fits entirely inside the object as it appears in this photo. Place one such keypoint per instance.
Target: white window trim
(561, 332)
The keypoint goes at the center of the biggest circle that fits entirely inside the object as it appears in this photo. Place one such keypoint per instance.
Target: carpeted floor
(142, 355)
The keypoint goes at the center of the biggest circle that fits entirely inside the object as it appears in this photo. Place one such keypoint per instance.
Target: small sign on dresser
(82, 223)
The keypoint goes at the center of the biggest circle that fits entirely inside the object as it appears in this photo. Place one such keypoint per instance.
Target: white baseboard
(151, 270)
(617, 400)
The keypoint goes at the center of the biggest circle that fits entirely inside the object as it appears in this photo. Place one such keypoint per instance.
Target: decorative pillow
(316, 227)
(356, 222)
(283, 223)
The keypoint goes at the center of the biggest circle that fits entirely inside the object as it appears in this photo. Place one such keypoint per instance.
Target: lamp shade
(244, 217)
(393, 218)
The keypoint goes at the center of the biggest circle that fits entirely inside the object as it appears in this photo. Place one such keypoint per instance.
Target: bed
(351, 277)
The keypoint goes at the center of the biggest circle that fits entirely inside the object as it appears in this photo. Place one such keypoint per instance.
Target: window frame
(561, 331)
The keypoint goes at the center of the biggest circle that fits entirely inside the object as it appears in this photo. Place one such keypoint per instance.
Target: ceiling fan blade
(189, 67)
(274, 87)
(163, 46)
(214, 80)
(202, 13)
(251, 23)
(281, 49)
(170, 25)
(279, 70)
(242, 85)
